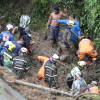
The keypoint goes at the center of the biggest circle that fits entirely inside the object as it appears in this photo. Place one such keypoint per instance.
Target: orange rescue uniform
(86, 48)
(41, 70)
(93, 89)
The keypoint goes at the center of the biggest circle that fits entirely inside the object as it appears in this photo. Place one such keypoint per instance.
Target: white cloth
(79, 86)
(24, 20)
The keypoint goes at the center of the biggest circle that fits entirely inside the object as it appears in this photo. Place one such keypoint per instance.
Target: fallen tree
(53, 91)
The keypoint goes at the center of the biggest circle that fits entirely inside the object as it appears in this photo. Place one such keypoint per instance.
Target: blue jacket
(1, 48)
(75, 28)
(6, 36)
(18, 47)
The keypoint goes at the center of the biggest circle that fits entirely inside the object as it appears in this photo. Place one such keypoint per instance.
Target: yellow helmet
(70, 23)
(12, 47)
(82, 63)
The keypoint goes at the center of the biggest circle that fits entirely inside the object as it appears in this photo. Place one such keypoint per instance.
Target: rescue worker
(8, 55)
(65, 43)
(48, 71)
(73, 26)
(21, 30)
(71, 17)
(75, 70)
(93, 88)
(7, 35)
(28, 43)
(6, 45)
(54, 26)
(21, 63)
(79, 85)
(18, 44)
(86, 48)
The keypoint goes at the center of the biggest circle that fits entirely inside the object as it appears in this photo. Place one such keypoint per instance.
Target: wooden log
(53, 91)
(8, 93)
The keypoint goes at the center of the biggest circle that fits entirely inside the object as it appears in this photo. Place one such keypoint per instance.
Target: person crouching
(21, 63)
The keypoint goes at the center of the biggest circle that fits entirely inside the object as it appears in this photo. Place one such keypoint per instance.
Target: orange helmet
(82, 37)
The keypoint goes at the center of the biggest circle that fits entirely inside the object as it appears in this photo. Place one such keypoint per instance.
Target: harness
(49, 73)
(19, 66)
(8, 56)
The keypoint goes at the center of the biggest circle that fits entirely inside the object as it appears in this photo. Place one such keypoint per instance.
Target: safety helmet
(12, 47)
(93, 83)
(82, 37)
(29, 35)
(82, 63)
(7, 43)
(23, 50)
(9, 27)
(70, 23)
(55, 57)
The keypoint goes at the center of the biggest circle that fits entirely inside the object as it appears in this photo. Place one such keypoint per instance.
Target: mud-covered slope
(40, 48)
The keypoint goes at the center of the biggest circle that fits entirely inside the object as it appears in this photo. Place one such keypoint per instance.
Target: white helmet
(8, 43)
(29, 35)
(93, 83)
(23, 50)
(82, 63)
(70, 23)
(55, 57)
(9, 27)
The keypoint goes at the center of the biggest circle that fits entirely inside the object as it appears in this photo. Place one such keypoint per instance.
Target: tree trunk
(53, 91)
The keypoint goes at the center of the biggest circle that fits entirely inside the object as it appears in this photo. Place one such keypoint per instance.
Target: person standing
(54, 26)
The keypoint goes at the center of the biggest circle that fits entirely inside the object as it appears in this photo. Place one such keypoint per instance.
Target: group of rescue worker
(13, 53)
(69, 38)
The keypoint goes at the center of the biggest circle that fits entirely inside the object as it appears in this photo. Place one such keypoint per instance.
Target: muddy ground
(41, 48)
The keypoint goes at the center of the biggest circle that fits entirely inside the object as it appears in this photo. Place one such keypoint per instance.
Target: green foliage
(86, 11)
(97, 44)
(90, 18)
(91, 96)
